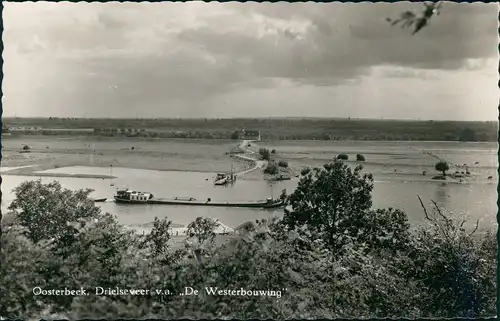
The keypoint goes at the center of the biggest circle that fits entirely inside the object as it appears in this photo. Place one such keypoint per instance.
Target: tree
(360, 158)
(442, 167)
(203, 229)
(335, 203)
(156, 242)
(235, 135)
(467, 135)
(26, 148)
(48, 211)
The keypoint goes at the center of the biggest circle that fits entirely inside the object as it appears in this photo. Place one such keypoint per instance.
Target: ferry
(224, 179)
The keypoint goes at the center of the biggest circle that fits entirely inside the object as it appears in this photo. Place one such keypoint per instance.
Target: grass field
(173, 154)
(270, 128)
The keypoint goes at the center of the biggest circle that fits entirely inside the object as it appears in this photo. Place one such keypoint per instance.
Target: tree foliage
(264, 153)
(47, 211)
(203, 229)
(331, 256)
(360, 158)
(342, 157)
(467, 135)
(283, 164)
(335, 202)
(442, 167)
(417, 20)
(271, 169)
(156, 242)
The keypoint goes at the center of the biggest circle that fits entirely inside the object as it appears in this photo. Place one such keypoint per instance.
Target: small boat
(224, 179)
(221, 179)
(132, 197)
(100, 200)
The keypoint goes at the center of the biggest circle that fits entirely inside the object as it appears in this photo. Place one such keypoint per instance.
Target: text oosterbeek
(188, 291)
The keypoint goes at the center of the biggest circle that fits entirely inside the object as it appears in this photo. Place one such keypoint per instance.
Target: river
(477, 200)
(396, 167)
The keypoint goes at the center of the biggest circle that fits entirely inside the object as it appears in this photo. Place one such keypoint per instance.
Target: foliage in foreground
(331, 256)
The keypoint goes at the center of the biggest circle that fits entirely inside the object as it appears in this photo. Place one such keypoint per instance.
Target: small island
(276, 170)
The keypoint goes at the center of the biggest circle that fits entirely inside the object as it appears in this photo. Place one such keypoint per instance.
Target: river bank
(395, 161)
(165, 155)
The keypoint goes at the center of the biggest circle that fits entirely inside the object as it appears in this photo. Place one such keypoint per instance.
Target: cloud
(182, 54)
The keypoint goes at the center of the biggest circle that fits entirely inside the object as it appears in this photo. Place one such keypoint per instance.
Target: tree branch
(425, 210)
(447, 220)
(475, 229)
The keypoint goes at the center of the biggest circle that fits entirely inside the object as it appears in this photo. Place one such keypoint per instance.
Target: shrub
(331, 256)
(343, 157)
(457, 271)
(360, 158)
(271, 169)
(283, 163)
(264, 153)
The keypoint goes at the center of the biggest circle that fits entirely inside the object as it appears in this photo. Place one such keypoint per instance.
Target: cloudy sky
(248, 60)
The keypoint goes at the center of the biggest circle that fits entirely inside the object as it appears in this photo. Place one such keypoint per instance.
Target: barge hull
(198, 203)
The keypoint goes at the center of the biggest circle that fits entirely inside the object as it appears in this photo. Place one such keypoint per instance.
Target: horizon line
(250, 118)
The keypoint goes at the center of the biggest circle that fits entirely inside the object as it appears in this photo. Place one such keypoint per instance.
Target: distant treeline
(269, 129)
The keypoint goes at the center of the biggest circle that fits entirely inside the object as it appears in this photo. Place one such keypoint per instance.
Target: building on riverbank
(250, 134)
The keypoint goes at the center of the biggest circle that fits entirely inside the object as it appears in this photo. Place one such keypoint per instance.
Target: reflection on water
(478, 200)
(441, 195)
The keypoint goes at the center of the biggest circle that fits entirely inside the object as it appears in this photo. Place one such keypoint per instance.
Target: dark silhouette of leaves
(410, 19)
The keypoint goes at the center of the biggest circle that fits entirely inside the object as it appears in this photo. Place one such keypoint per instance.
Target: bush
(360, 158)
(264, 153)
(456, 272)
(283, 163)
(343, 157)
(331, 256)
(271, 169)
